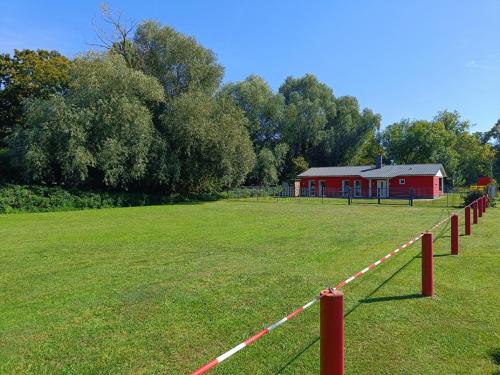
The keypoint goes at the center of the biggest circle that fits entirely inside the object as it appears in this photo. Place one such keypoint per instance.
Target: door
(345, 188)
(382, 189)
(322, 190)
(357, 188)
(312, 188)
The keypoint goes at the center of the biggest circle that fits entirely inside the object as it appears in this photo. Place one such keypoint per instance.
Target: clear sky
(403, 59)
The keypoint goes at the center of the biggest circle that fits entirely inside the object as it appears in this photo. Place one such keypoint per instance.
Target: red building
(485, 181)
(385, 181)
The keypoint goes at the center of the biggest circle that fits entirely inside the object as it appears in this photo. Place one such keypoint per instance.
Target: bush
(471, 196)
(20, 198)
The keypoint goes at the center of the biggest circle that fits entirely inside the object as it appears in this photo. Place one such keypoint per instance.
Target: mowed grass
(165, 289)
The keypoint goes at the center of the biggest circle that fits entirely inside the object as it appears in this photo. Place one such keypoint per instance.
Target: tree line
(152, 114)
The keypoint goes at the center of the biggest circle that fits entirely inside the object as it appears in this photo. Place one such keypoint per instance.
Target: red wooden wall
(423, 186)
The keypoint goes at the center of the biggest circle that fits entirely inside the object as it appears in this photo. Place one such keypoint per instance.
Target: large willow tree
(97, 134)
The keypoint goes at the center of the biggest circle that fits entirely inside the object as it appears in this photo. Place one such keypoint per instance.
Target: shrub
(19, 198)
(471, 196)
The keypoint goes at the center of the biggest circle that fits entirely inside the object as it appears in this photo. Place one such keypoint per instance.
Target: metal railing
(392, 195)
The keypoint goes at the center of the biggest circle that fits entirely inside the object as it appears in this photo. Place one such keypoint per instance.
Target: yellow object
(478, 187)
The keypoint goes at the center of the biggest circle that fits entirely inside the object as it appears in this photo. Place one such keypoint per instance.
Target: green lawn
(165, 289)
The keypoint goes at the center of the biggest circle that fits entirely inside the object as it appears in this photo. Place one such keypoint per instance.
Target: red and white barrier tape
(257, 336)
(252, 339)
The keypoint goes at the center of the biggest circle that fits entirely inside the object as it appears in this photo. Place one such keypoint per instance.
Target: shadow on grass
(291, 360)
(391, 298)
(495, 356)
(367, 299)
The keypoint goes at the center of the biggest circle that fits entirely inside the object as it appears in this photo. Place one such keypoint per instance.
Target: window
(402, 181)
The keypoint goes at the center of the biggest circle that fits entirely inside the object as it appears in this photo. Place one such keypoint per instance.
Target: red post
(331, 313)
(474, 215)
(454, 234)
(467, 221)
(427, 265)
(484, 203)
(480, 206)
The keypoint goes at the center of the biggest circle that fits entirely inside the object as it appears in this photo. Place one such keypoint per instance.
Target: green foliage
(98, 134)
(28, 74)
(269, 165)
(310, 105)
(35, 198)
(179, 62)
(349, 134)
(299, 165)
(201, 145)
(325, 130)
(151, 115)
(471, 196)
(200, 141)
(444, 140)
(493, 136)
(263, 109)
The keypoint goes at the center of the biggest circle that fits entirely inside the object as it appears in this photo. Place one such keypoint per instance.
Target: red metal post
(474, 207)
(480, 207)
(467, 221)
(332, 333)
(454, 234)
(427, 265)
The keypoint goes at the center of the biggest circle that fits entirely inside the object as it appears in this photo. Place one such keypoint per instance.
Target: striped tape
(259, 335)
(252, 339)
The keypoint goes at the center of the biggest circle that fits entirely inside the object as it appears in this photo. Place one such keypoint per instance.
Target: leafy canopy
(98, 133)
(28, 74)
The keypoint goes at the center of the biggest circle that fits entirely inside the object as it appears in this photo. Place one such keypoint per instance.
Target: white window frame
(402, 181)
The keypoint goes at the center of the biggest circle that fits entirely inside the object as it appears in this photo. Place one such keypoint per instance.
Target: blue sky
(403, 59)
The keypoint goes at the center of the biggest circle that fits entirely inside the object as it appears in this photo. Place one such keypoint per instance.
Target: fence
(389, 196)
(331, 299)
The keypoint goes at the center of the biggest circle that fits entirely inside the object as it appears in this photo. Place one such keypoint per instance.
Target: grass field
(164, 289)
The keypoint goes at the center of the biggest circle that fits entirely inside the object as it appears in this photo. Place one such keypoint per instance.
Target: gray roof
(369, 171)
(335, 171)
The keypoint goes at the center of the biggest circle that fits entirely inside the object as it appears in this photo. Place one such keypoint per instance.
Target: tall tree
(269, 165)
(493, 136)
(310, 105)
(452, 122)
(201, 145)
(179, 62)
(28, 74)
(444, 140)
(323, 129)
(263, 109)
(97, 134)
(350, 134)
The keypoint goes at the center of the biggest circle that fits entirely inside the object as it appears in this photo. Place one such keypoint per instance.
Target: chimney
(378, 161)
